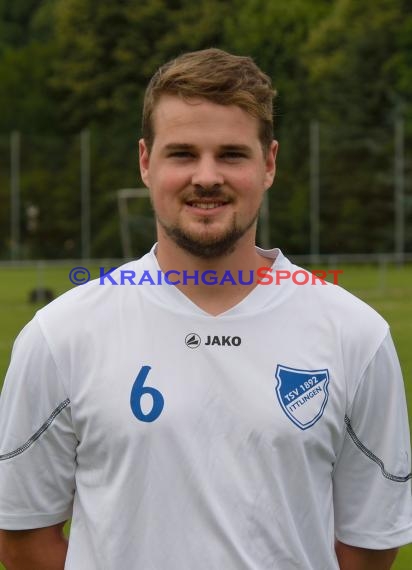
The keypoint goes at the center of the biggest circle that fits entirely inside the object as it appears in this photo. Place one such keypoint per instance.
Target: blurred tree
(26, 54)
(15, 21)
(357, 60)
(66, 65)
(349, 56)
(108, 51)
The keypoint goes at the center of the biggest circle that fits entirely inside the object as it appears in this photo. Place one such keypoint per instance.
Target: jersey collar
(261, 298)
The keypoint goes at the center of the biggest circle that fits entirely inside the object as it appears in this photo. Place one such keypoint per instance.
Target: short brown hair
(217, 76)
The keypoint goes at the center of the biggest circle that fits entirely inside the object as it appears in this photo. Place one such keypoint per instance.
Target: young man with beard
(172, 445)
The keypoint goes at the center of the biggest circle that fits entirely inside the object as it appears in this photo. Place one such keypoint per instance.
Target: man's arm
(354, 558)
(42, 548)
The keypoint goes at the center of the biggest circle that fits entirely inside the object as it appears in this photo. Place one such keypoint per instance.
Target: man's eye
(180, 154)
(232, 155)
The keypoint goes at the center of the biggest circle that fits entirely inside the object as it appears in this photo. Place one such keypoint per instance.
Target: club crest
(303, 394)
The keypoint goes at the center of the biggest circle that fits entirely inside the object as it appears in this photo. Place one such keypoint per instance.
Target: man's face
(207, 173)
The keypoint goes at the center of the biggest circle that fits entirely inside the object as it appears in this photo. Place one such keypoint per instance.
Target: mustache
(200, 192)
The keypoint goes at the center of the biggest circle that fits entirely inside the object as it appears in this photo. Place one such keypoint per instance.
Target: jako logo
(223, 341)
(193, 340)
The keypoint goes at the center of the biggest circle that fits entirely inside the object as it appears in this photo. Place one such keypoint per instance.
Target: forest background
(71, 65)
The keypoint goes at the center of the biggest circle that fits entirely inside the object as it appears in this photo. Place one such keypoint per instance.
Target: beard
(207, 246)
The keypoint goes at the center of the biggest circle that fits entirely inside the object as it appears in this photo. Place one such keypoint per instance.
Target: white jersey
(180, 440)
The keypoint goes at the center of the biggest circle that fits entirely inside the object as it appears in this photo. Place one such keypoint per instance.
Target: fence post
(314, 190)
(85, 192)
(15, 195)
(399, 189)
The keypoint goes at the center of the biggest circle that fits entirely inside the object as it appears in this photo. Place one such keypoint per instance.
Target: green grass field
(388, 289)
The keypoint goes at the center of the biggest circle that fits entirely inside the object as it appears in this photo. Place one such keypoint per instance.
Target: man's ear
(271, 164)
(144, 159)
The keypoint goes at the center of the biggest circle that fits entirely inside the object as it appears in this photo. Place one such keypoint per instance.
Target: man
(243, 424)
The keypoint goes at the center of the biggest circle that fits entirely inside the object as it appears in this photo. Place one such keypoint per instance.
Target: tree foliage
(66, 65)
(353, 60)
(108, 51)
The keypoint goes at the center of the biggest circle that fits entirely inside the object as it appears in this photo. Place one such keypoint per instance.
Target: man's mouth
(206, 205)
(207, 202)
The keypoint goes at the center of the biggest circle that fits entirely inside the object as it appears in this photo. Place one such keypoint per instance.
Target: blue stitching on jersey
(38, 433)
(373, 457)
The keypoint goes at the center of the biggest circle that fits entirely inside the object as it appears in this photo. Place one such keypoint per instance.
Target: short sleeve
(372, 477)
(37, 442)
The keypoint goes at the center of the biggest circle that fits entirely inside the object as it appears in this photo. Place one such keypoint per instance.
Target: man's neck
(213, 298)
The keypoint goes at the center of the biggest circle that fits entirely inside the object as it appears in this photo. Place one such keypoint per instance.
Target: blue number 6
(138, 391)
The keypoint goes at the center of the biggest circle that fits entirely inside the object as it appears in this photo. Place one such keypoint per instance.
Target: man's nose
(207, 173)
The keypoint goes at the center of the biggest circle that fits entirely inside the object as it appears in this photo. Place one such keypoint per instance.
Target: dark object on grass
(41, 295)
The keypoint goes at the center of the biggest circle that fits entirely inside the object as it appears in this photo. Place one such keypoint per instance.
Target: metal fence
(339, 189)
